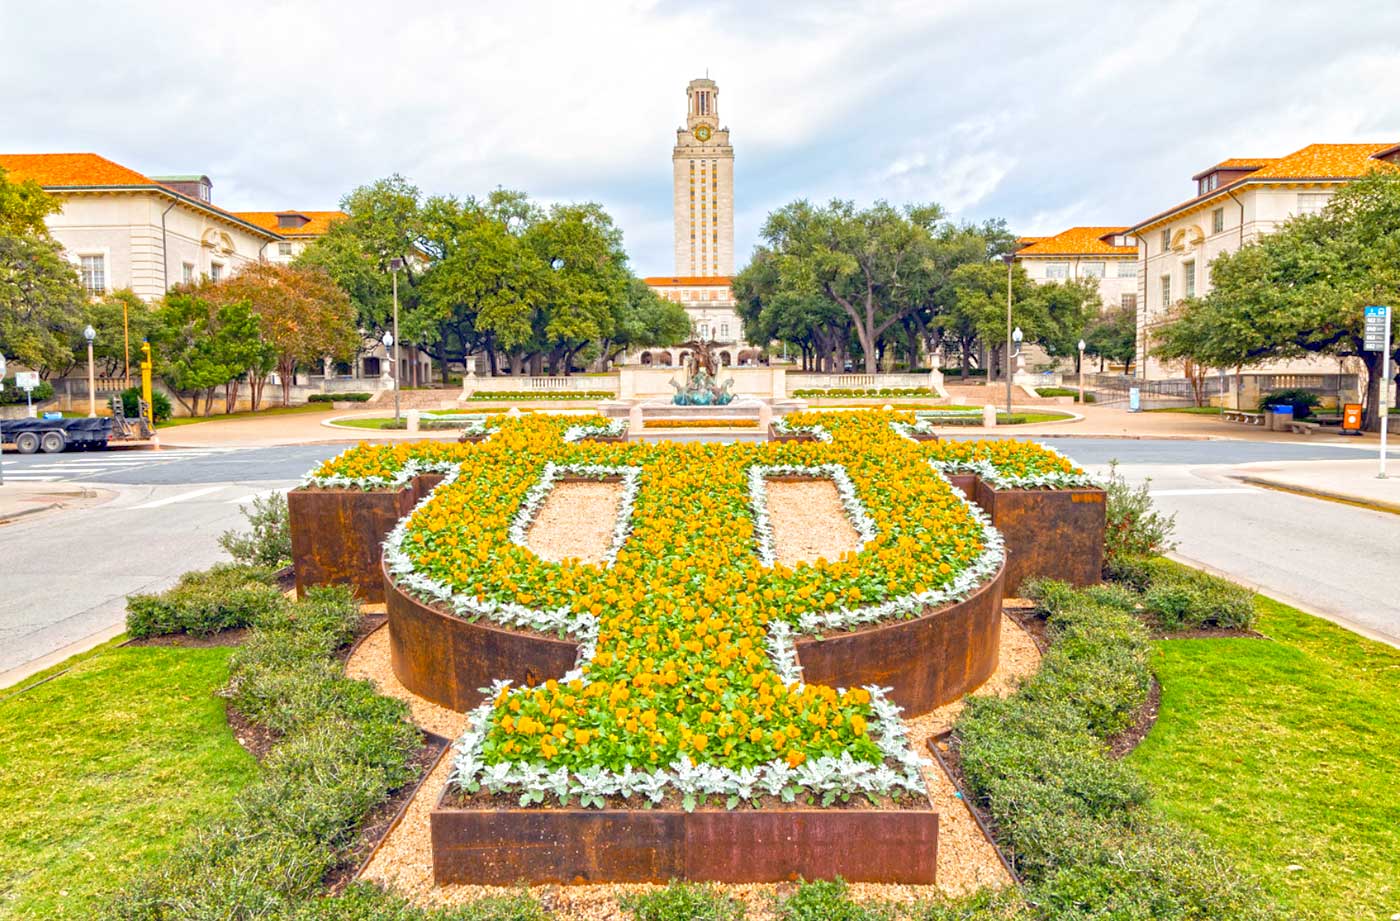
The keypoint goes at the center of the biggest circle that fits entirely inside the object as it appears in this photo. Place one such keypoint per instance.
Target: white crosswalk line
(258, 495)
(182, 497)
(25, 478)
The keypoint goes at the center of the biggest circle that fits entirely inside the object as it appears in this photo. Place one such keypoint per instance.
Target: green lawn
(1287, 752)
(104, 769)
(270, 411)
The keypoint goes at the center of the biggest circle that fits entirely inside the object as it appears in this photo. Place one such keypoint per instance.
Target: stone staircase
(446, 398)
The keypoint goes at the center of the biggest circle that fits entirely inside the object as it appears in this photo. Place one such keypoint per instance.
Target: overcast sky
(1049, 115)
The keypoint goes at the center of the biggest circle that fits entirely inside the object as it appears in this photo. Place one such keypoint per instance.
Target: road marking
(20, 477)
(1218, 491)
(182, 497)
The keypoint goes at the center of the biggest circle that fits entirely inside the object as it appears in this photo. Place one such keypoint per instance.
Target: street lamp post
(2, 422)
(1081, 372)
(393, 369)
(394, 265)
(90, 334)
(1010, 260)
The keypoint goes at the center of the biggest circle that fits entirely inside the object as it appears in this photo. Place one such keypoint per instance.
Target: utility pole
(90, 334)
(394, 265)
(1010, 260)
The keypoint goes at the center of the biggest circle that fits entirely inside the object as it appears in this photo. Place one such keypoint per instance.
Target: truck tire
(52, 442)
(26, 442)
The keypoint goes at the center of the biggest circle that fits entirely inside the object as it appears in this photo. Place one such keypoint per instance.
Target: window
(1129, 302)
(1091, 270)
(94, 274)
(1217, 220)
(724, 330)
(216, 271)
(1166, 290)
(1188, 272)
(187, 273)
(1127, 270)
(1057, 270)
(1312, 202)
(1166, 240)
(1208, 184)
(284, 249)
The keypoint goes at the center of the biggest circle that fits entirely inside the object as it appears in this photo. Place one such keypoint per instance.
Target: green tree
(1301, 290)
(1113, 336)
(585, 279)
(1067, 310)
(203, 347)
(23, 207)
(643, 319)
(41, 303)
(974, 310)
(118, 317)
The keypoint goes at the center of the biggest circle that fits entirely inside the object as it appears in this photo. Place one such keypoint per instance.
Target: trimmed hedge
(499, 396)
(343, 749)
(1183, 598)
(1073, 819)
(201, 603)
(352, 397)
(12, 394)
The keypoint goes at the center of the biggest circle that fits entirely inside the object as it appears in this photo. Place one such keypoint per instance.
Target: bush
(1133, 530)
(352, 397)
(131, 404)
(828, 901)
(12, 394)
(201, 603)
(683, 902)
(363, 901)
(985, 905)
(1065, 392)
(270, 541)
(1303, 402)
(1183, 598)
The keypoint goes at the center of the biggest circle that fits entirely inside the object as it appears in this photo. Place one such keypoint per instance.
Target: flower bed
(688, 692)
(702, 423)
(540, 395)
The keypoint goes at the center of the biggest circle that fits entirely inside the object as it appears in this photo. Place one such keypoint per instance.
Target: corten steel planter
(775, 435)
(338, 535)
(500, 847)
(928, 661)
(1050, 533)
(448, 660)
(967, 482)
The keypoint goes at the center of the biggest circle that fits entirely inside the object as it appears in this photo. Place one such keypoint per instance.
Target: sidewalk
(18, 500)
(1351, 481)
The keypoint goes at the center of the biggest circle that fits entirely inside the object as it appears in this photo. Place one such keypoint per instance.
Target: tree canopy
(41, 299)
(1301, 290)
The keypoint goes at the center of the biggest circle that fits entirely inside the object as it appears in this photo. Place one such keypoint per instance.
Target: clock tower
(703, 166)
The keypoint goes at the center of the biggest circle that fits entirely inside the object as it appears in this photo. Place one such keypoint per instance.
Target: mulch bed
(1022, 611)
(386, 815)
(256, 739)
(367, 625)
(1121, 745)
(234, 636)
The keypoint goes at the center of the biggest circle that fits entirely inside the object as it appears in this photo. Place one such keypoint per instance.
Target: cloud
(1080, 113)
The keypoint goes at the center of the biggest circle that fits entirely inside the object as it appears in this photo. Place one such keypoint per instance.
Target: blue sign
(1377, 325)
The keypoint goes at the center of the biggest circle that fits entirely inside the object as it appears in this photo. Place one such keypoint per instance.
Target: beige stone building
(122, 229)
(1236, 201)
(297, 229)
(1108, 255)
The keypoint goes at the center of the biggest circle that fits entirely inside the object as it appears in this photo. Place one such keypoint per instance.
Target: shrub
(1303, 402)
(985, 905)
(1181, 597)
(269, 543)
(351, 397)
(363, 901)
(131, 404)
(683, 902)
(828, 900)
(12, 393)
(1133, 529)
(201, 603)
(1065, 392)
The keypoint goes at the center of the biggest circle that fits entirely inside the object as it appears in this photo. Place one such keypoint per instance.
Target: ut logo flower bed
(687, 694)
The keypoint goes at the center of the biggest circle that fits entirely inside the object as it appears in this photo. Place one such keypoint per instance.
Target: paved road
(170, 506)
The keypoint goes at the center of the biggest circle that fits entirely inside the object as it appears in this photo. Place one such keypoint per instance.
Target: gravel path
(966, 862)
(576, 521)
(809, 522)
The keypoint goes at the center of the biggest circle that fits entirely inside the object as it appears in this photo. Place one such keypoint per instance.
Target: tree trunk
(230, 395)
(1375, 371)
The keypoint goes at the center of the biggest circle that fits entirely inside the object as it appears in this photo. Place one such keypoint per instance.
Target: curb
(15, 516)
(1375, 505)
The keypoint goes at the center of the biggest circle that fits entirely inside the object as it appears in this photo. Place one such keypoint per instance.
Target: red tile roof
(1077, 241)
(1314, 163)
(319, 223)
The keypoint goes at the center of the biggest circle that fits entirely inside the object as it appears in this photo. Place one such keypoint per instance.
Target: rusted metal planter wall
(1050, 533)
(504, 846)
(927, 662)
(448, 660)
(338, 536)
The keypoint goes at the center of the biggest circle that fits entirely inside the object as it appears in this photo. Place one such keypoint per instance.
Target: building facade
(296, 229)
(1236, 202)
(122, 229)
(1108, 255)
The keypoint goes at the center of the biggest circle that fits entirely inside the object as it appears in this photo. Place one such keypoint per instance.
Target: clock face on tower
(702, 133)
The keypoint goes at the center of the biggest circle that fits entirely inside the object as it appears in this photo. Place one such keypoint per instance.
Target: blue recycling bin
(1280, 417)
